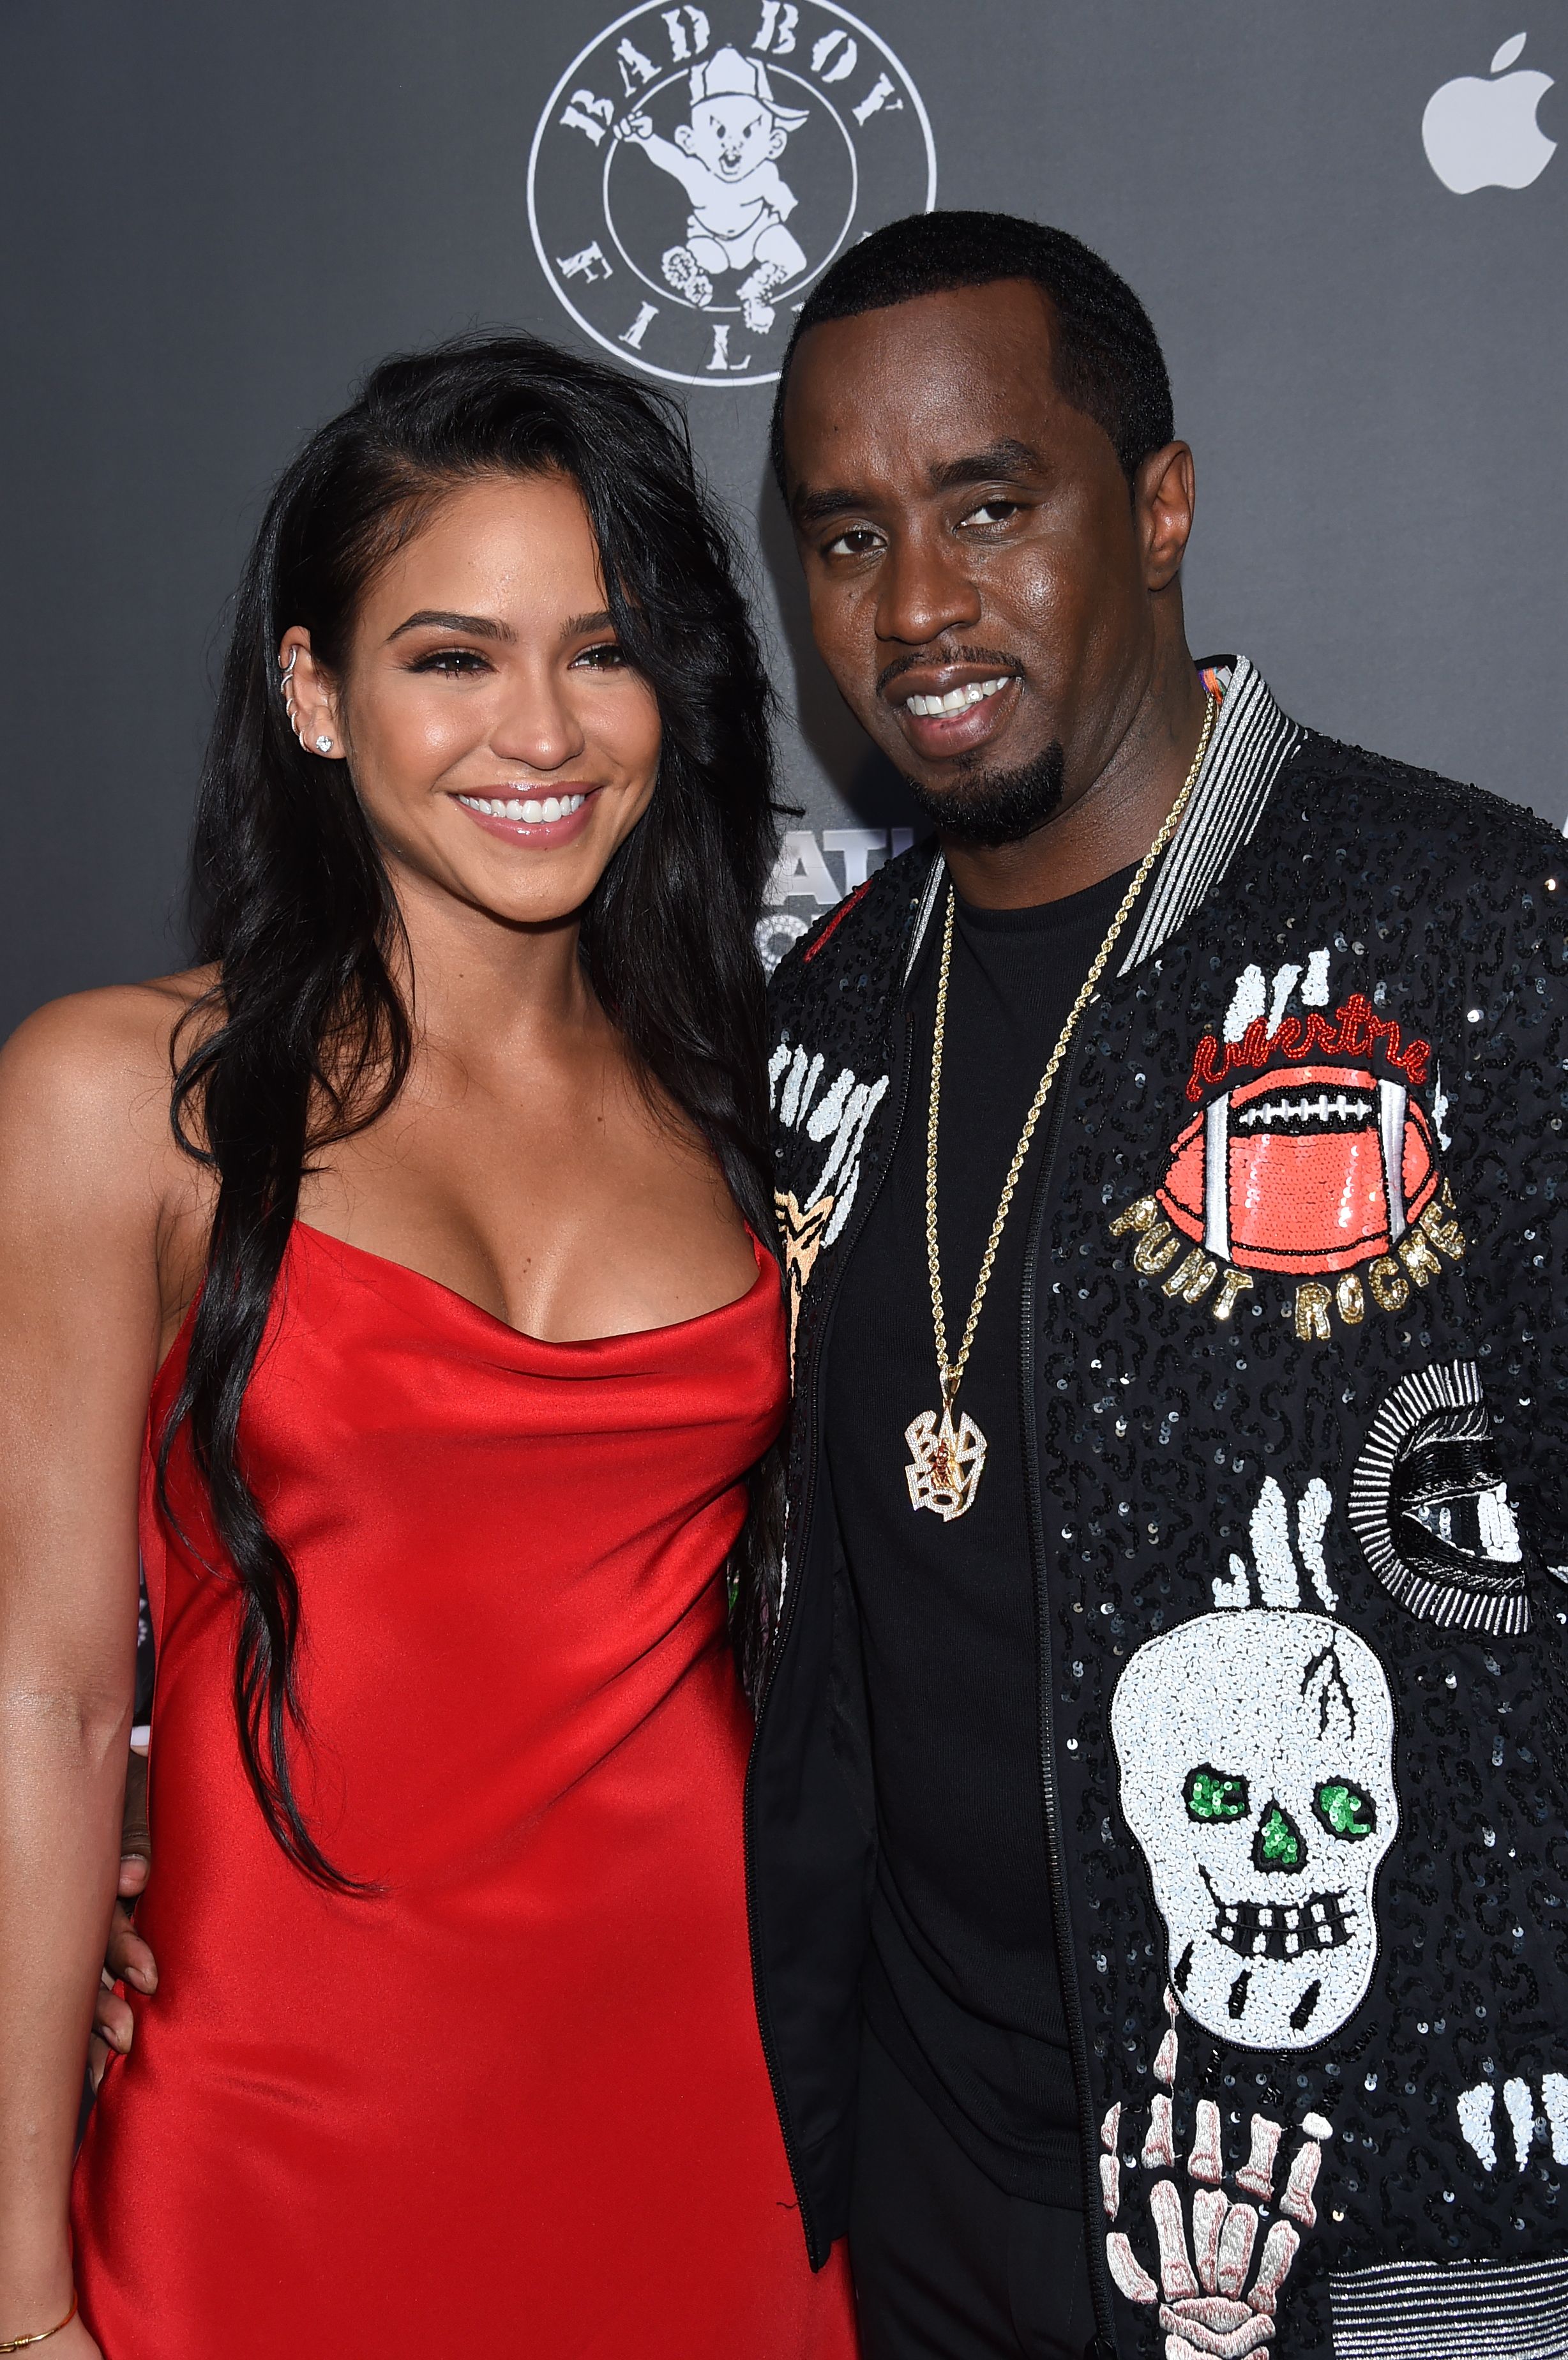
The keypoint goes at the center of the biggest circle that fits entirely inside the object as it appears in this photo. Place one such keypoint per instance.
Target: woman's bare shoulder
(85, 1081)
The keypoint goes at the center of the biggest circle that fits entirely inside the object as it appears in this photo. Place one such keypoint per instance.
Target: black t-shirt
(963, 1985)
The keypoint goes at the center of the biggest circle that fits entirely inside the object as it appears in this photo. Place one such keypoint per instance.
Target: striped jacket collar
(1251, 743)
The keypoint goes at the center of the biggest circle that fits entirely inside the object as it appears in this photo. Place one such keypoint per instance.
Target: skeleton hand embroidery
(1214, 2303)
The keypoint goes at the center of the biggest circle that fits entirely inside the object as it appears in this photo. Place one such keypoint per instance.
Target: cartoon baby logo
(724, 159)
(1312, 1158)
(697, 169)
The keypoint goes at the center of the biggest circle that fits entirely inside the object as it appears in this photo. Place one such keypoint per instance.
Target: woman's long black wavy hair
(305, 1037)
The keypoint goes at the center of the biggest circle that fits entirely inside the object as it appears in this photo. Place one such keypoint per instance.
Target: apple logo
(1483, 135)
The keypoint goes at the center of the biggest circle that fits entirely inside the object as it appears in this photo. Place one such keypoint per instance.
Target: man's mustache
(936, 654)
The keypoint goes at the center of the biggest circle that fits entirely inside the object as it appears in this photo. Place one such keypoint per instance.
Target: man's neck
(1110, 824)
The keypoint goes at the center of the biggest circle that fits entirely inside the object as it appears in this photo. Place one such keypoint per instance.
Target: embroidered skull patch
(1256, 1757)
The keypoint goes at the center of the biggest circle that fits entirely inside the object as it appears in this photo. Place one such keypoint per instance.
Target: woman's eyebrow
(577, 627)
(473, 626)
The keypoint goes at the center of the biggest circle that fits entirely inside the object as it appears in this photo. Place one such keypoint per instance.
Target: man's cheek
(844, 644)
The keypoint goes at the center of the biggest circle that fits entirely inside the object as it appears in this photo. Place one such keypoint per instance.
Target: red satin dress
(515, 2106)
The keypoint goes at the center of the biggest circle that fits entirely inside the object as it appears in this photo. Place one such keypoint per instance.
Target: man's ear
(1164, 496)
(682, 138)
(309, 695)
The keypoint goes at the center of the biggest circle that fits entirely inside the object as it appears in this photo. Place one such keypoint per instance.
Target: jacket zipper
(798, 1556)
(1105, 2344)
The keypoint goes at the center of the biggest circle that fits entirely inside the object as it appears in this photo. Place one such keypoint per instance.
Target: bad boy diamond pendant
(947, 1462)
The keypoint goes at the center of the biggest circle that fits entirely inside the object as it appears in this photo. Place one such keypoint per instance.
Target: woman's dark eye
(452, 664)
(607, 656)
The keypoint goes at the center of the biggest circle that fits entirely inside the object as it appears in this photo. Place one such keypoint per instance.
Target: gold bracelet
(20, 2343)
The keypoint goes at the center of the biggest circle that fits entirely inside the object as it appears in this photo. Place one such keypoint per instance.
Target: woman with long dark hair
(426, 1214)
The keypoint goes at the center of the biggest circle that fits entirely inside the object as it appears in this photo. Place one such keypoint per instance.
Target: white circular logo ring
(696, 170)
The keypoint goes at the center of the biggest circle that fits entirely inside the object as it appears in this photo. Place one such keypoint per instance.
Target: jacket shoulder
(1417, 812)
(856, 950)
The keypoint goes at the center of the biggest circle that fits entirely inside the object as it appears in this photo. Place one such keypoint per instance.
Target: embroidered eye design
(1451, 1497)
(1429, 1503)
(1214, 1795)
(1346, 1809)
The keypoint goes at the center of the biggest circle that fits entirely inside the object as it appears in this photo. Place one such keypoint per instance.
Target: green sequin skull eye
(1279, 1843)
(1216, 1795)
(1345, 1810)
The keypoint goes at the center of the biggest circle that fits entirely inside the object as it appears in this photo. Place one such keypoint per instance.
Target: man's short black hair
(1109, 363)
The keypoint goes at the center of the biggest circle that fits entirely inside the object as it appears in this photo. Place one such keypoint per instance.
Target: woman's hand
(127, 1958)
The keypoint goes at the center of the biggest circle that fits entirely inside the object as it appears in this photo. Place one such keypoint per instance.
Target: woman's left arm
(79, 1328)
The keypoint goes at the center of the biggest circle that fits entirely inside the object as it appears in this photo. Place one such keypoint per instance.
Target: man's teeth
(957, 698)
(536, 814)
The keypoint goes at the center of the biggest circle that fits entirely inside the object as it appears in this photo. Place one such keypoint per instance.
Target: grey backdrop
(215, 217)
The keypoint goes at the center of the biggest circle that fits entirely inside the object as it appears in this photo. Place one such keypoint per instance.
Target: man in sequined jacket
(1244, 1718)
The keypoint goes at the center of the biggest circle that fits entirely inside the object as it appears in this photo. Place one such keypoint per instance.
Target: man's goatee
(994, 807)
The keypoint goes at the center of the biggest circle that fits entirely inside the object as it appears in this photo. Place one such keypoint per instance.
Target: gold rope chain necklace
(947, 1459)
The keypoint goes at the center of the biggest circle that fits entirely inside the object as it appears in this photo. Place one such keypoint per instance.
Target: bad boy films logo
(696, 170)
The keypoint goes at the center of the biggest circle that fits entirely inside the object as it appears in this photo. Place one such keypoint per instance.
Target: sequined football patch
(1312, 1160)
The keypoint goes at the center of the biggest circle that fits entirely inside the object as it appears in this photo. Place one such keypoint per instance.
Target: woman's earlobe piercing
(324, 745)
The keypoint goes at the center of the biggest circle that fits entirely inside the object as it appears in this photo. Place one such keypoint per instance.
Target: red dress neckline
(419, 1283)
(465, 1304)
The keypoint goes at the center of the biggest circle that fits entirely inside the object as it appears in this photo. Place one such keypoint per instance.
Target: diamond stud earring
(324, 745)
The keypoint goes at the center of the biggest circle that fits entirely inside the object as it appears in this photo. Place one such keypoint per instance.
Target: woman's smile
(538, 821)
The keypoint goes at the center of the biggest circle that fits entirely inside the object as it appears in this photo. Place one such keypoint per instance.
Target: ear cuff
(285, 679)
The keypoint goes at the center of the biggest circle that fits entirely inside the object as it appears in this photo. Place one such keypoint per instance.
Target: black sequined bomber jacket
(1293, 1368)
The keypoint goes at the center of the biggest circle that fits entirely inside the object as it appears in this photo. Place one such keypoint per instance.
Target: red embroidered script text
(1356, 1034)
